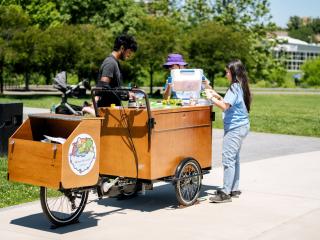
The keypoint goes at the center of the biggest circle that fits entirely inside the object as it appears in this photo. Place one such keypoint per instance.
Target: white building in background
(295, 52)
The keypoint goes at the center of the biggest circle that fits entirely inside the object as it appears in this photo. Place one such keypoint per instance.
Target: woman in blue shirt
(236, 107)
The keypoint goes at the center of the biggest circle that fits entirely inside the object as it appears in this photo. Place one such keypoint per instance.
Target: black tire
(65, 209)
(189, 185)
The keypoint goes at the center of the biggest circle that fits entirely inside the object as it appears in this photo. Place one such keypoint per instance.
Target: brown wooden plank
(35, 163)
(69, 178)
(117, 152)
(178, 133)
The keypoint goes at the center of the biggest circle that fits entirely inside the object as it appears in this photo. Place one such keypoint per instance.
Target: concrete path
(29, 110)
(281, 200)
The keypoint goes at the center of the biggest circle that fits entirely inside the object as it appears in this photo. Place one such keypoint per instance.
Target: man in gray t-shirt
(110, 71)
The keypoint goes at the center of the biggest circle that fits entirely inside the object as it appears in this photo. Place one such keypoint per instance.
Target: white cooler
(187, 82)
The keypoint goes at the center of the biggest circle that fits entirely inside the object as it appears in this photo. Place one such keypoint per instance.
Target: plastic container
(187, 82)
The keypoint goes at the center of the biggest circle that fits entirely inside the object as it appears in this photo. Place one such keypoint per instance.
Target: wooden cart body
(144, 152)
(47, 164)
(178, 133)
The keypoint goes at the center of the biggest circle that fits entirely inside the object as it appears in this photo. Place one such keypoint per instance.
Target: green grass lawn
(14, 193)
(39, 101)
(283, 114)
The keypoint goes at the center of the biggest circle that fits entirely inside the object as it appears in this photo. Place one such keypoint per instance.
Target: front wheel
(64, 209)
(188, 183)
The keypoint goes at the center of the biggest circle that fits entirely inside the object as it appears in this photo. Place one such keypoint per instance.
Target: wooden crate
(68, 165)
(178, 133)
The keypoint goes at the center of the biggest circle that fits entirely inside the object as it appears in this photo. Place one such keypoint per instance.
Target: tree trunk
(1, 78)
(151, 80)
(27, 80)
(47, 75)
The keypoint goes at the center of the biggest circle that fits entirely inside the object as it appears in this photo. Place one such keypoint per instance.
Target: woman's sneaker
(235, 194)
(220, 197)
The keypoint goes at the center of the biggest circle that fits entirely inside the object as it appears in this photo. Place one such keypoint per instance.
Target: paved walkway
(29, 110)
(281, 200)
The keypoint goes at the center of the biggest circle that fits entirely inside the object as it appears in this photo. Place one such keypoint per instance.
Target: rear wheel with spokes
(188, 184)
(66, 207)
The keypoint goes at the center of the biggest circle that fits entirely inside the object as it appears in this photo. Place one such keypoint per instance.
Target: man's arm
(105, 79)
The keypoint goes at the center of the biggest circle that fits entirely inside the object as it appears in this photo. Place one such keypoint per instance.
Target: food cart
(121, 151)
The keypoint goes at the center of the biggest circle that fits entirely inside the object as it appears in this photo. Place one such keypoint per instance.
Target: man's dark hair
(127, 41)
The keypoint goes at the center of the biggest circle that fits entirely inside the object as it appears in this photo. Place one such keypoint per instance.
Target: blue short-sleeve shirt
(237, 115)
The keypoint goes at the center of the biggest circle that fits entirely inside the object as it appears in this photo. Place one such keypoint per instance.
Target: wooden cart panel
(35, 163)
(178, 133)
(117, 151)
(48, 164)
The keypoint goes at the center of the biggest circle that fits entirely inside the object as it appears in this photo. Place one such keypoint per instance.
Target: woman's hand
(216, 99)
(206, 84)
(210, 93)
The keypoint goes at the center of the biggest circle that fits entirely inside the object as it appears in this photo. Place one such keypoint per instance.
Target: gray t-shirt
(111, 68)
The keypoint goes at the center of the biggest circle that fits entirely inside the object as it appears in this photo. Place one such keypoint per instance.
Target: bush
(289, 83)
(221, 82)
(311, 69)
(263, 84)
(277, 76)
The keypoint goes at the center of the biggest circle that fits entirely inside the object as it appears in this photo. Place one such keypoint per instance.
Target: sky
(282, 10)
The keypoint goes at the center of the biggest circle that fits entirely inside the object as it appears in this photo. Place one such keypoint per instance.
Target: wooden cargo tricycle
(121, 151)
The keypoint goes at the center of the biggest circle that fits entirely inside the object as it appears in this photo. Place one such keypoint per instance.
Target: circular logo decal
(82, 154)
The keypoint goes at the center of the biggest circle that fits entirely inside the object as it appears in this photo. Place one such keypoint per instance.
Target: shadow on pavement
(162, 197)
(38, 221)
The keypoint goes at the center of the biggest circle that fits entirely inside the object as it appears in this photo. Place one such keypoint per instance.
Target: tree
(304, 33)
(95, 44)
(197, 11)
(43, 13)
(22, 55)
(117, 16)
(303, 30)
(294, 23)
(156, 39)
(252, 14)
(212, 45)
(2, 53)
(162, 8)
(58, 49)
(253, 18)
(315, 25)
(12, 21)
